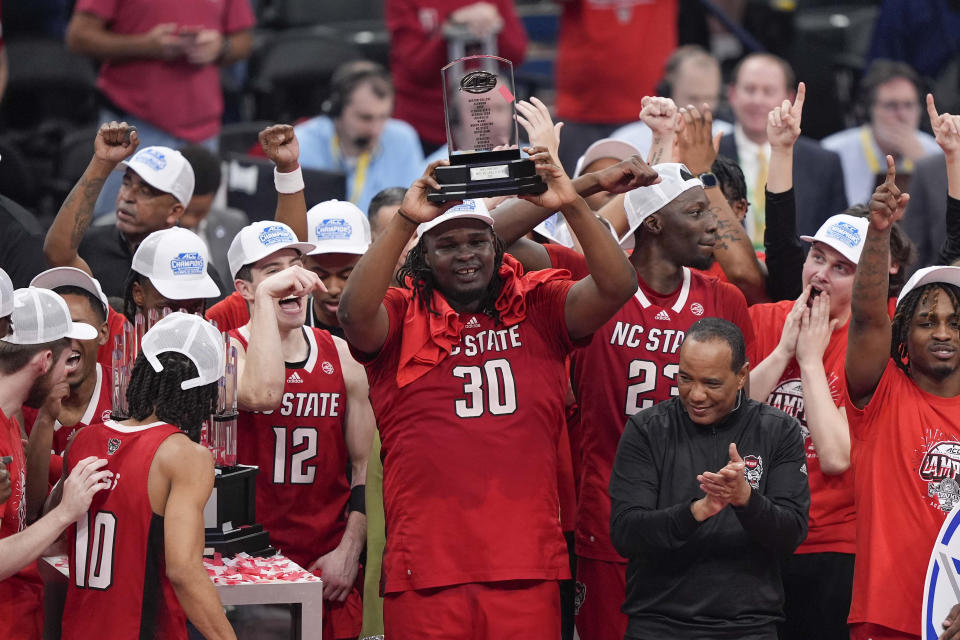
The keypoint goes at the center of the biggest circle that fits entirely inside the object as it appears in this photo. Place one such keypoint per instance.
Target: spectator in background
(761, 82)
(690, 77)
(383, 207)
(356, 134)
(216, 225)
(161, 65)
(418, 50)
(890, 94)
(610, 55)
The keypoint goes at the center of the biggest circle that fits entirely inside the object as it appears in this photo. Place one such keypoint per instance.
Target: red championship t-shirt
(118, 578)
(906, 452)
(230, 313)
(183, 99)
(832, 512)
(302, 488)
(98, 410)
(470, 449)
(630, 364)
(21, 595)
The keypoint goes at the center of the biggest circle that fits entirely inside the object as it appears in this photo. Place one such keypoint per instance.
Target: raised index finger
(932, 109)
(801, 96)
(891, 171)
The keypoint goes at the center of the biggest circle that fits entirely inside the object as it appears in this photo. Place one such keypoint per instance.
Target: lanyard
(866, 141)
(360, 174)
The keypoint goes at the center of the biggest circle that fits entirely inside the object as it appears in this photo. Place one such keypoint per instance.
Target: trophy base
(253, 540)
(483, 175)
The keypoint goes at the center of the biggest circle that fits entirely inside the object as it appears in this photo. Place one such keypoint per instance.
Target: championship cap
(260, 239)
(619, 150)
(191, 336)
(843, 232)
(40, 316)
(336, 226)
(176, 261)
(165, 169)
(71, 277)
(642, 202)
(920, 277)
(6, 294)
(474, 209)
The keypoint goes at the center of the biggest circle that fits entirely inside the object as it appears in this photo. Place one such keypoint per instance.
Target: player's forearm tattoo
(656, 153)
(870, 286)
(81, 201)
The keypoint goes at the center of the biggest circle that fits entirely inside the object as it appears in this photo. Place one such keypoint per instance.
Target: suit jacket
(925, 220)
(817, 182)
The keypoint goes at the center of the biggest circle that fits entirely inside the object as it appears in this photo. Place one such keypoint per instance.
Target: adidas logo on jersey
(472, 323)
(294, 377)
(663, 315)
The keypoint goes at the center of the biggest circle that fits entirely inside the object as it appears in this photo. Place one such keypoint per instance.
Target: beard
(40, 390)
(701, 262)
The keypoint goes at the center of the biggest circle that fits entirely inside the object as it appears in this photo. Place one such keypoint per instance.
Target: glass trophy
(485, 160)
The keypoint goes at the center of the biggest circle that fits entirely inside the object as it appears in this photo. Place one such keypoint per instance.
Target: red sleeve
(734, 306)
(230, 313)
(512, 41)
(861, 419)
(395, 301)
(238, 16)
(562, 257)
(549, 301)
(106, 10)
(767, 328)
(423, 54)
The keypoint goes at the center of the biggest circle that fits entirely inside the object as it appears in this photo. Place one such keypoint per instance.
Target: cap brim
(82, 331)
(436, 222)
(946, 275)
(352, 249)
(187, 289)
(69, 277)
(619, 150)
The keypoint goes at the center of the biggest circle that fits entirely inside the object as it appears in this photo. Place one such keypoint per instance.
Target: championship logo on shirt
(334, 229)
(112, 445)
(938, 468)
(788, 397)
(941, 589)
(274, 234)
(187, 264)
(752, 470)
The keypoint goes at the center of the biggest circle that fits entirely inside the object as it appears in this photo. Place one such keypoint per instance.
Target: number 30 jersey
(302, 488)
(629, 365)
(470, 448)
(118, 580)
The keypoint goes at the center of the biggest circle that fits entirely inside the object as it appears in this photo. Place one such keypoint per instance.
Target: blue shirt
(395, 162)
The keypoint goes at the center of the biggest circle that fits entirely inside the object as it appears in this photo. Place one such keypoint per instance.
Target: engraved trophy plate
(485, 159)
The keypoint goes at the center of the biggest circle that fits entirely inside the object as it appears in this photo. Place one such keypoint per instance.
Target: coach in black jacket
(709, 492)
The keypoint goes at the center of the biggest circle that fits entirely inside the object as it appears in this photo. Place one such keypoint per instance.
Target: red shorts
(528, 609)
(601, 590)
(867, 631)
(343, 619)
(21, 606)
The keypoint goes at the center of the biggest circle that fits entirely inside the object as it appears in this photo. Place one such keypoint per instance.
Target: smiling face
(933, 341)
(333, 269)
(826, 270)
(688, 229)
(761, 85)
(82, 357)
(292, 311)
(146, 297)
(706, 383)
(55, 374)
(461, 254)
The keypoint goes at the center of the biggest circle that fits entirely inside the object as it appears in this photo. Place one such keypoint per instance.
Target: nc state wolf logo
(112, 445)
(752, 470)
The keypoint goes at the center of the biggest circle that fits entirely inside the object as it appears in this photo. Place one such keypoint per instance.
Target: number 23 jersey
(631, 364)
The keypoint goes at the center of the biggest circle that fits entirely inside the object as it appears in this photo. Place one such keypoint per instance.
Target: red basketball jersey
(118, 578)
(98, 410)
(302, 488)
(470, 449)
(631, 364)
(832, 512)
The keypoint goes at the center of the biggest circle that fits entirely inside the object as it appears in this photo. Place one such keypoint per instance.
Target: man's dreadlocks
(906, 310)
(416, 274)
(152, 392)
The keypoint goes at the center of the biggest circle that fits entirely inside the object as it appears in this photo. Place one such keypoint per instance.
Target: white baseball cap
(191, 336)
(336, 226)
(71, 277)
(258, 240)
(165, 169)
(176, 261)
(619, 150)
(555, 230)
(40, 316)
(475, 209)
(920, 277)
(845, 233)
(6, 294)
(642, 202)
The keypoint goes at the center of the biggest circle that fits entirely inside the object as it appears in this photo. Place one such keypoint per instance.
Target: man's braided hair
(906, 310)
(422, 281)
(152, 392)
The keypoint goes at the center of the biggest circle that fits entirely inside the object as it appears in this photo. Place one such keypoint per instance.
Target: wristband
(407, 218)
(358, 499)
(288, 182)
